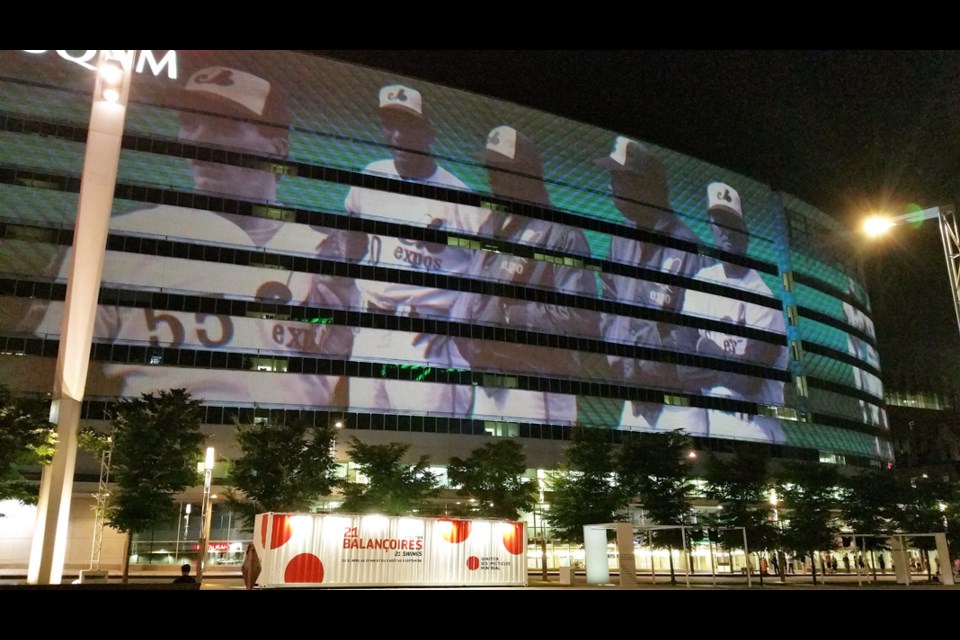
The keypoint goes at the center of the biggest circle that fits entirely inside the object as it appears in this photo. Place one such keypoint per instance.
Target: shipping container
(325, 550)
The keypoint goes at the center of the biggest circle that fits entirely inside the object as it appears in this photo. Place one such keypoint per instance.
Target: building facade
(297, 236)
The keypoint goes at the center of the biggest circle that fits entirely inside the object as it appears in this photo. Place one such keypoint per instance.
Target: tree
(493, 476)
(282, 467)
(871, 508)
(392, 488)
(584, 488)
(655, 468)
(741, 487)
(27, 439)
(810, 492)
(156, 450)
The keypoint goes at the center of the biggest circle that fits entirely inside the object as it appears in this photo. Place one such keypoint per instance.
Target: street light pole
(543, 530)
(205, 513)
(778, 530)
(97, 184)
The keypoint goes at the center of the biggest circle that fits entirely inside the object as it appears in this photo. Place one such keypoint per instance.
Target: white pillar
(595, 554)
(97, 184)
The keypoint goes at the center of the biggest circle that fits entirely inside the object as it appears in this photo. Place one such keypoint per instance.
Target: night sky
(847, 131)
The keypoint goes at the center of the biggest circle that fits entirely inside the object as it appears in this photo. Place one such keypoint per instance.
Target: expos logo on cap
(234, 91)
(724, 197)
(503, 140)
(246, 89)
(398, 96)
(508, 148)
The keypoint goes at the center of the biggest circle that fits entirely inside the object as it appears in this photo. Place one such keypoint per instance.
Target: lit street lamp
(205, 513)
(949, 235)
(774, 498)
(337, 426)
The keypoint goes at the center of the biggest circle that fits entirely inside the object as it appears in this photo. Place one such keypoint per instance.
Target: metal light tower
(951, 251)
(97, 183)
(102, 496)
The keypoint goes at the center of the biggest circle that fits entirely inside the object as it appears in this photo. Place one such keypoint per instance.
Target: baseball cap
(630, 155)
(508, 148)
(401, 98)
(647, 181)
(233, 92)
(723, 197)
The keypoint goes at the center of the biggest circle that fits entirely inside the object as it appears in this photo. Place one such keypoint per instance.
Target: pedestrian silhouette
(184, 577)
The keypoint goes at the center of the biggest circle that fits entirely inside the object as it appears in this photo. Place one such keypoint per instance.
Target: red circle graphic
(303, 568)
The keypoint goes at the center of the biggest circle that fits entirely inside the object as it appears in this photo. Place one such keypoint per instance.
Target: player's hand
(707, 347)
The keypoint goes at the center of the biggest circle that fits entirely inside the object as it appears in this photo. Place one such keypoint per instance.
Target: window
(493, 206)
(267, 315)
(801, 384)
(783, 413)
(832, 458)
(274, 213)
(505, 382)
(788, 281)
(796, 350)
(501, 429)
(792, 316)
(269, 364)
(466, 243)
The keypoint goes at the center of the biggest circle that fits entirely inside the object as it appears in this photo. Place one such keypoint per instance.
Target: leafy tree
(93, 441)
(741, 486)
(810, 492)
(156, 450)
(493, 476)
(584, 488)
(871, 509)
(282, 467)
(27, 439)
(393, 488)
(655, 468)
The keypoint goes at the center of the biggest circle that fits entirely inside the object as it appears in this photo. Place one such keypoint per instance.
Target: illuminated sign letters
(145, 59)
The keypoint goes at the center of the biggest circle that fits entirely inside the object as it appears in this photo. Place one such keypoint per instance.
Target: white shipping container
(325, 550)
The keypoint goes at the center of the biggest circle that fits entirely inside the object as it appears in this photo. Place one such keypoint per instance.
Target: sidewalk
(232, 581)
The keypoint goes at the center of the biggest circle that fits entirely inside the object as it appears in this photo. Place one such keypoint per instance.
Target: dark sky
(848, 131)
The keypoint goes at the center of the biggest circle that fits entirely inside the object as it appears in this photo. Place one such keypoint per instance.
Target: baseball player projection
(863, 351)
(409, 134)
(638, 184)
(223, 108)
(515, 171)
(729, 230)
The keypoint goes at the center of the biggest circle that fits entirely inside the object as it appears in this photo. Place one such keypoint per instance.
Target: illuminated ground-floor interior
(93, 546)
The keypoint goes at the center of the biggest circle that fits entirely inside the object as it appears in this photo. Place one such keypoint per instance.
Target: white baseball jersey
(715, 307)
(173, 329)
(410, 300)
